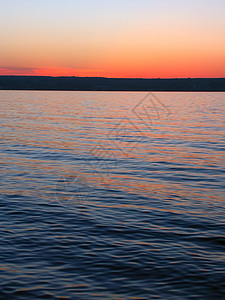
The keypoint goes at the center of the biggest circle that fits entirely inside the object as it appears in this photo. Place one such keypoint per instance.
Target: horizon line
(154, 78)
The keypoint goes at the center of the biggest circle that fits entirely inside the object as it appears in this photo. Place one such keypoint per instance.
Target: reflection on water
(122, 176)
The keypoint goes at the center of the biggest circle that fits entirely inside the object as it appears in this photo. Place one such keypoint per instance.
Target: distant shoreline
(48, 83)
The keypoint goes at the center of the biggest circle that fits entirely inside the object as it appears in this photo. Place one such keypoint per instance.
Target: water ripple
(100, 201)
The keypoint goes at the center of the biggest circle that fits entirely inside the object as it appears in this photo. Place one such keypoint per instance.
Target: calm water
(112, 195)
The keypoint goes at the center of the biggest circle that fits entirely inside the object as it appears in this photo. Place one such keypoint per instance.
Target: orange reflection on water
(55, 133)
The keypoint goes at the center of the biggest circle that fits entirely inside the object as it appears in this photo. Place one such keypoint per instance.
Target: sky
(113, 38)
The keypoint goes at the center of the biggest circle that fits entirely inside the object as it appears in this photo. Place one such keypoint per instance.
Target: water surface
(112, 195)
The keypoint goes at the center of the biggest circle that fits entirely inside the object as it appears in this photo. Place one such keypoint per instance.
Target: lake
(112, 195)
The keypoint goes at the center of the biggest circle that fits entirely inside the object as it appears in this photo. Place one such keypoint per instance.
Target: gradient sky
(113, 38)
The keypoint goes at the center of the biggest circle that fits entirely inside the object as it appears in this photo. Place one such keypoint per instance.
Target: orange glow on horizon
(135, 73)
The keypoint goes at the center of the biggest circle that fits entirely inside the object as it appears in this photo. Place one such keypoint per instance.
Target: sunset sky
(113, 38)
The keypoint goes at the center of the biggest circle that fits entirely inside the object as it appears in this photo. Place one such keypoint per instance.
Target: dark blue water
(108, 195)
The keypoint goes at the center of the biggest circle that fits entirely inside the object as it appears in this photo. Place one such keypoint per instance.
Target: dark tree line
(110, 84)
